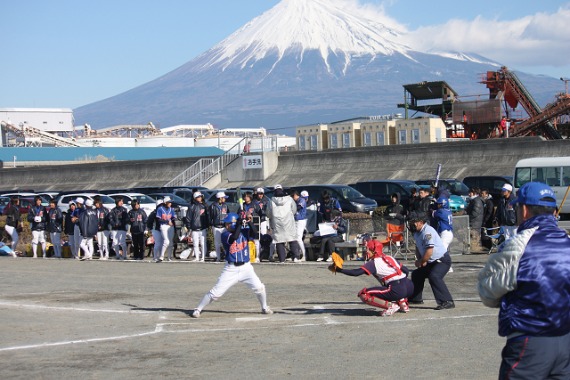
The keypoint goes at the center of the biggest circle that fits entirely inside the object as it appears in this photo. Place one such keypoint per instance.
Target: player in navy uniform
(396, 287)
(237, 268)
(443, 222)
(37, 216)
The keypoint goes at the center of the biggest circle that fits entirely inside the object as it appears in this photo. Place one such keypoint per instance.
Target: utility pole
(565, 80)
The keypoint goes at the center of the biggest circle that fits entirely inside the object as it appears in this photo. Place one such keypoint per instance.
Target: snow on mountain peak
(340, 27)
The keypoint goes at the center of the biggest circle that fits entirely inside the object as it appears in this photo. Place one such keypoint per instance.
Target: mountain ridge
(279, 81)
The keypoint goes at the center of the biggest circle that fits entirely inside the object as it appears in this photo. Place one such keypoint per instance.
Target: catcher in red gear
(396, 287)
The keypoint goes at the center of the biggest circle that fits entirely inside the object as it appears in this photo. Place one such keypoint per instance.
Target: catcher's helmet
(375, 247)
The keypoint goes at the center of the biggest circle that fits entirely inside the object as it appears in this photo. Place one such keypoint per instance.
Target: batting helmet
(443, 201)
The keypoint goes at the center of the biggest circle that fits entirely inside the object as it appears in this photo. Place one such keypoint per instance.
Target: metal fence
(377, 225)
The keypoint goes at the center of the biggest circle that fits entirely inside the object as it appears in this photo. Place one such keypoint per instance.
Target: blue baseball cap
(535, 194)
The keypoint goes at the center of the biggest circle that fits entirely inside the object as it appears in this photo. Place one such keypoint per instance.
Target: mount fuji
(301, 62)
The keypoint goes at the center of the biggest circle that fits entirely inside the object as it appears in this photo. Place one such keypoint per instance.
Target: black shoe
(446, 305)
(416, 302)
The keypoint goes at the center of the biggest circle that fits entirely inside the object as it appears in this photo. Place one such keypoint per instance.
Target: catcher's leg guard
(404, 307)
(369, 299)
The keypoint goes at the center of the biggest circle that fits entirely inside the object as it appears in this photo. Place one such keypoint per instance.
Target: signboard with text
(252, 162)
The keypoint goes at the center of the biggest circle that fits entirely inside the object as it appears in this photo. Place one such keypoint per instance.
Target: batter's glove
(337, 262)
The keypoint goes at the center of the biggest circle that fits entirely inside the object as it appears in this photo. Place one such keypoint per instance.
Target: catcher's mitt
(337, 262)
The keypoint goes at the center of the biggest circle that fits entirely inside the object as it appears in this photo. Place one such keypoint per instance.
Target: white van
(554, 171)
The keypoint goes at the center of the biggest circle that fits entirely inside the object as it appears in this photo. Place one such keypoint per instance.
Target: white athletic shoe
(267, 310)
(320, 259)
(389, 311)
(196, 314)
(296, 260)
(329, 259)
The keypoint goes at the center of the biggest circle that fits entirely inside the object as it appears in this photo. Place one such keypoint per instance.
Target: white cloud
(534, 40)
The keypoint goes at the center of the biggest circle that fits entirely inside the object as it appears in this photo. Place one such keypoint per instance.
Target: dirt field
(130, 320)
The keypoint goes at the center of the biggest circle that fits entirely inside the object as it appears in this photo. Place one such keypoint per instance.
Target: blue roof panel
(114, 154)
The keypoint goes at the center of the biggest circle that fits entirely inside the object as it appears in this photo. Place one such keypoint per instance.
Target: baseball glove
(337, 262)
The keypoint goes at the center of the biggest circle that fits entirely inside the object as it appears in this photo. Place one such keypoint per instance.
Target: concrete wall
(235, 172)
(459, 159)
(98, 176)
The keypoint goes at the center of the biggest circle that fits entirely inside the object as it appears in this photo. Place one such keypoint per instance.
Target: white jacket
(499, 276)
(281, 214)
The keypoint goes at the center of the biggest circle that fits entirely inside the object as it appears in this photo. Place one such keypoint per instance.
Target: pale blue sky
(65, 53)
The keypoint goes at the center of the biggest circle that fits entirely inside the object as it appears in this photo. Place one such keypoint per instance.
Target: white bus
(554, 171)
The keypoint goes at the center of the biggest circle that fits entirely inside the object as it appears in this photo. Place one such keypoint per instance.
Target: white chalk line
(162, 327)
(66, 308)
(157, 330)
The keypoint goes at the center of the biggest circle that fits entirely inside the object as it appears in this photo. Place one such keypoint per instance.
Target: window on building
(334, 141)
(402, 136)
(367, 139)
(380, 139)
(301, 142)
(314, 142)
(346, 140)
(415, 136)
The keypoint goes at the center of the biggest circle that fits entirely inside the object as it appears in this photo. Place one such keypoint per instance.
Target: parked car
(453, 185)
(350, 199)
(4, 201)
(178, 203)
(63, 200)
(382, 190)
(26, 195)
(184, 192)
(26, 200)
(493, 183)
(456, 202)
(231, 201)
(48, 194)
(147, 203)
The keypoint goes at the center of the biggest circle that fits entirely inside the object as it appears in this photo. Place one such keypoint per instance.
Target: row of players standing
(85, 221)
(281, 219)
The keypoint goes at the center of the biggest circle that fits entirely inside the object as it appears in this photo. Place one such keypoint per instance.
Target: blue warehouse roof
(114, 154)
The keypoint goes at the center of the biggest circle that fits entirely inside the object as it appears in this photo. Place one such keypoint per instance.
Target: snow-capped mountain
(300, 26)
(301, 62)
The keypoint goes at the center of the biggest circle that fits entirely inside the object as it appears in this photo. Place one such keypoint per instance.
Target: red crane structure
(540, 121)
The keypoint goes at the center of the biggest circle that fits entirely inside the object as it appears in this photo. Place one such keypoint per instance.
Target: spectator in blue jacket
(327, 204)
(529, 281)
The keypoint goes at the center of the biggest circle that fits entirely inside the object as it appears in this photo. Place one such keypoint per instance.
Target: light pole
(565, 80)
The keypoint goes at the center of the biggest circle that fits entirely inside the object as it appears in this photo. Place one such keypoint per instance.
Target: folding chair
(496, 235)
(395, 240)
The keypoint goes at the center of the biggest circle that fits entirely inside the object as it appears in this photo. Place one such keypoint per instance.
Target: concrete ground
(130, 320)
